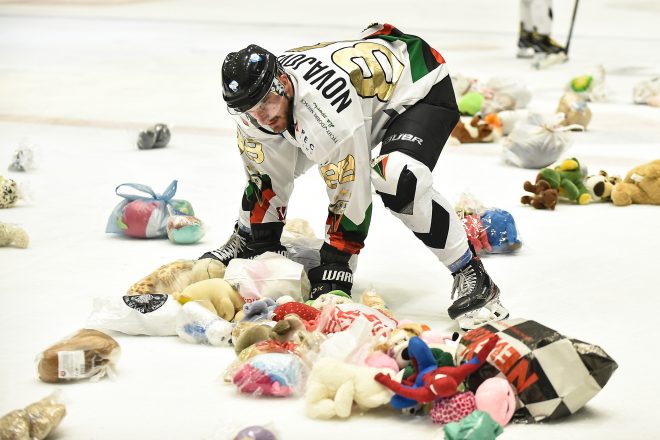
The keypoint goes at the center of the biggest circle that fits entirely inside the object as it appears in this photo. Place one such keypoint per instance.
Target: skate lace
(231, 249)
(464, 282)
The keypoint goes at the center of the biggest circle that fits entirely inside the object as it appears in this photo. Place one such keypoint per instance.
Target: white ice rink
(80, 78)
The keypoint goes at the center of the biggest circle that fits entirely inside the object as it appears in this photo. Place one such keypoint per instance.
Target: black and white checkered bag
(554, 375)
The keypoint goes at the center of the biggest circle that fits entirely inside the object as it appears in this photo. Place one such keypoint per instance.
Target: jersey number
(250, 147)
(343, 172)
(373, 69)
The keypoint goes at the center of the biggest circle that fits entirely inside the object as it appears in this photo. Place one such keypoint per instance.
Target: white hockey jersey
(345, 95)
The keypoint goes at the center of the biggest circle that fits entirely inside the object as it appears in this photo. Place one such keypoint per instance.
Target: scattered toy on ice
(641, 185)
(24, 158)
(184, 229)
(157, 136)
(145, 215)
(576, 111)
(13, 235)
(35, 422)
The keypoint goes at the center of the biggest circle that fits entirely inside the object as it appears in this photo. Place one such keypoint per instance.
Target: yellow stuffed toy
(641, 185)
(177, 275)
(215, 294)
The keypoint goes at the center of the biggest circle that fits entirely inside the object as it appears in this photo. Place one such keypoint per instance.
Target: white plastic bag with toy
(198, 325)
(537, 141)
(269, 275)
(151, 314)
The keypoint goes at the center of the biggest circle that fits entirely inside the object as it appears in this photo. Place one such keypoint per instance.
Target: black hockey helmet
(247, 76)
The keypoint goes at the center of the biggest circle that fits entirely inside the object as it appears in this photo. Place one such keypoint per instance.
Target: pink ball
(497, 397)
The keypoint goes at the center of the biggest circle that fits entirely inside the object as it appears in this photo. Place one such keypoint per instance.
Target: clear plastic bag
(198, 325)
(145, 216)
(537, 141)
(645, 91)
(13, 235)
(271, 374)
(152, 314)
(88, 354)
(24, 158)
(269, 275)
(35, 422)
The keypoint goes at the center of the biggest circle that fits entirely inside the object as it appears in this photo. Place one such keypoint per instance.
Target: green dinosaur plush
(568, 179)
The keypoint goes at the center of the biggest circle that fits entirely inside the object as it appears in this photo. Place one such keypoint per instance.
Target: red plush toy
(307, 313)
(432, 383)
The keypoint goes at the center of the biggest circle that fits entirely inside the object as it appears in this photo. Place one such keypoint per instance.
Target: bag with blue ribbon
(144, 213)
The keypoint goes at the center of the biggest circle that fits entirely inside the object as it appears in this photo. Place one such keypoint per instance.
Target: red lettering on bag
(518, 376)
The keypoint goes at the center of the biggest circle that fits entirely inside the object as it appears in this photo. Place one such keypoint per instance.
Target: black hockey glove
(332, 274)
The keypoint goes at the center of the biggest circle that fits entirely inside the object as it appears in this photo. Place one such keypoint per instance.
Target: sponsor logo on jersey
(403, 137)
(332, 86)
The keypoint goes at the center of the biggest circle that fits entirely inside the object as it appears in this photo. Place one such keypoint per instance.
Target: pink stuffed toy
(453, 409)
(497, 397)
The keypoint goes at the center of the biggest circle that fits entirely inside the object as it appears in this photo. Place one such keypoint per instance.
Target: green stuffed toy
(568, 179)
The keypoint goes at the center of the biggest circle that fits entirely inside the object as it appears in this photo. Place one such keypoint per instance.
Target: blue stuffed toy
(501, 230)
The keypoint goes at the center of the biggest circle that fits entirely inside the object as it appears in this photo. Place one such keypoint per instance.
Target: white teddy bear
(334, 385)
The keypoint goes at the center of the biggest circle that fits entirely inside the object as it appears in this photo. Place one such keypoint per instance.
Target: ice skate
(547, 52)
(235, 247)
(477, 299)
(525, 44)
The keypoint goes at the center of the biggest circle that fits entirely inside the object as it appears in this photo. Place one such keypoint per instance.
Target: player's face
(272, 112)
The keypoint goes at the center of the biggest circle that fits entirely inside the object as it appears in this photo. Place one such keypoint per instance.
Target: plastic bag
(199, 325)
(11, 192)
(184, 229)
(35, 422)
(646, 91)
(501, 231)
(505, 94)
(24, 158)
(87, 354)
(13, 235)
(269, 275)
(553, 375)
(151, 314)
(145, 216)
(271, 374)
(575, 110)
(537, 141)
(590, 86)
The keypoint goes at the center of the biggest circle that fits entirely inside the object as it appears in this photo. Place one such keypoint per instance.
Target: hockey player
(534, 37)
(330, 104)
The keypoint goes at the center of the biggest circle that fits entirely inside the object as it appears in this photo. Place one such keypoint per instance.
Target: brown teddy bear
(545, 197)
(177, 275)
(641, 185)
(477, 130)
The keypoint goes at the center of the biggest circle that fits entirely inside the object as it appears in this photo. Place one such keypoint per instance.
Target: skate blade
(525, 52)
(548, 60)
(494, 311)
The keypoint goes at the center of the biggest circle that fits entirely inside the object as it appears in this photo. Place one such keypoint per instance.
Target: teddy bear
(479, 129)
(396, 344)
(215, 294)
(12, 235)
(545, 197)
(291, 328)
(575, 110)
(177, 275)
(568, 179)
(333, 386)
(600, 186)
(641, 185)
